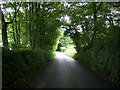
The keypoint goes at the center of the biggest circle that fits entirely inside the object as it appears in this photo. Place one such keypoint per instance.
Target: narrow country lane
(65, 72)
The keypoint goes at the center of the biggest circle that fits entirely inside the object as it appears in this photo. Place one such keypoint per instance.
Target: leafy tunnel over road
(31, 30)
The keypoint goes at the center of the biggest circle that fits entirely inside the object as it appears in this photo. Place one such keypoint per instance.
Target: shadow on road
(65, 72)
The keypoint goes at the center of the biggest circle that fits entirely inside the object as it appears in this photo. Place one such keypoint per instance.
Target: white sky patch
(67, 19)
(79, 28)
(1, 2)
(21, 9)
(86, 16)
(83, 3)
(9, 10)
(66, 4)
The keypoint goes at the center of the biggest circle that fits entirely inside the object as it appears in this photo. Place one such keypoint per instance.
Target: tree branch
(16, 13)
(2, 16)
(98, 7)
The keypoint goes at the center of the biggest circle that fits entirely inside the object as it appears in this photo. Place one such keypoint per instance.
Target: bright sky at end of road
(62, 55)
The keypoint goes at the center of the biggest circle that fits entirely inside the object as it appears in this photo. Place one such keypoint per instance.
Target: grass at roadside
(70, 51)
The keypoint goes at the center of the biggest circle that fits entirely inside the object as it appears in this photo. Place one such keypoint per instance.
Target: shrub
(103, 61)
(17, 64)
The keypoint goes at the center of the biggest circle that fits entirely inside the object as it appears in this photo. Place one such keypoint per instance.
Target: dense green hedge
(105, 61)
(103, 54)
(18, 64)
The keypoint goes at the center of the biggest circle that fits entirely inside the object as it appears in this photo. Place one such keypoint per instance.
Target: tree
(4, 27)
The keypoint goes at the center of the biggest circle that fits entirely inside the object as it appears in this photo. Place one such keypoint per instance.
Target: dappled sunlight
(59, 55)
(70, 59)
(61, 36)
(70, 51)
(67, 46)
(62, 56)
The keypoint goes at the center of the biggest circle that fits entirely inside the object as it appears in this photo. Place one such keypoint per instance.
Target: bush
(103, 61)
(18, 64)
(70, 51)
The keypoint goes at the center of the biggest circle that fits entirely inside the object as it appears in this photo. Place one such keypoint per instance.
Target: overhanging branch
(98, 7)
(16, 13)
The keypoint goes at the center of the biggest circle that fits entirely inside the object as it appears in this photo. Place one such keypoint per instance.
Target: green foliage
(93, 27)
(65, 41)
(33, 37)
(17, 64)
(103, 61)
(96, 34)
(70, 51)
(35, 24)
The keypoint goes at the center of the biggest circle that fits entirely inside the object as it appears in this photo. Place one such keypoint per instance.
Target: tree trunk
(95, 21)
(32, 27)
(16, 29)
(4, 35)
(4, 30)
(26, 34)
(13, 32)
(30, 23)
(95, 10)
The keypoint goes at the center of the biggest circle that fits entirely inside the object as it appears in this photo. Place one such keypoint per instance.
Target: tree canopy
(94, 28)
